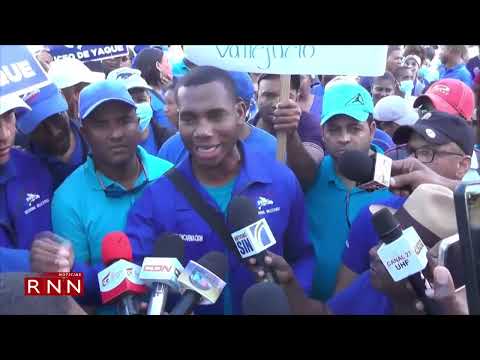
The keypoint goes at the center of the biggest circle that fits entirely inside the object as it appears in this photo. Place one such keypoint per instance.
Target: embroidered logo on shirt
(263, 202)
(31, 199)
(191, 237)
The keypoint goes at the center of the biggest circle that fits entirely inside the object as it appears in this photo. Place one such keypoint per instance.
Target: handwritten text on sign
(364, 60)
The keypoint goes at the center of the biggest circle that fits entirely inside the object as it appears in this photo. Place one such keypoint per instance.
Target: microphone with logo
(119, 282)
(201, 282)
(404, 256)
(161, 271)
(265, 298)
(252, 236)
(370, 173)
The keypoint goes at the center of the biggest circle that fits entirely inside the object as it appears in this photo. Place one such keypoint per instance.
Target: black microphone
(265, 298)
(370, 173)
(216, 263)
(161, 271)
(250, 237)
(389, 230)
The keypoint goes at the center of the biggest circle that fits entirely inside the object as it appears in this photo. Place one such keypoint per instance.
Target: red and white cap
(451, 96)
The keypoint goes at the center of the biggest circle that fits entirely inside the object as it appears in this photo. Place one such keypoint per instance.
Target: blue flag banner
(87, 52)
(20, 71)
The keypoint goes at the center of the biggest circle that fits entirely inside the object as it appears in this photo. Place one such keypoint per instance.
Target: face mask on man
(406, 87)
(145, 113)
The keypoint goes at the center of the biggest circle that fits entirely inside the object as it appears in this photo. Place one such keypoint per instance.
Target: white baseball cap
(132, 78)
(10, 102)
(397, 109)
(68, 72)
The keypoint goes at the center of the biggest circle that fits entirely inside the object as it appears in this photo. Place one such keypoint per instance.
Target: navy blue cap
(97, 93)
(439, 128)
(44, 103)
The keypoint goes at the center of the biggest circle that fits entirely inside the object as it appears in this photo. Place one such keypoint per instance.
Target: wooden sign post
(281, 135)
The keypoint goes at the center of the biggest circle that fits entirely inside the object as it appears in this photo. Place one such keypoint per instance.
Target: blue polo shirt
(360, 298)
(83, 212)
(58, 169)
(158, 107)
(270, 185)
(149, 144)
(331, 207)
(362, 236)
(25, 194)
(259, 140)
(459, 72)
(383, 140)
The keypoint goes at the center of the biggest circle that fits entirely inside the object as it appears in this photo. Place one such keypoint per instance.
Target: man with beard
(53, 138)
(333, 201)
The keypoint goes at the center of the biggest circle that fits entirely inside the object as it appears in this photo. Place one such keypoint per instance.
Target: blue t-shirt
(331, 207)
(383, 140)
(459, 72)
(473, 63)
(258, 140)
(149, 144)
(362, 236)
(25, 193)
(158, 106)
(222, 196)
(58, 169)
(360, 298)
(317, 106)
(317, 90)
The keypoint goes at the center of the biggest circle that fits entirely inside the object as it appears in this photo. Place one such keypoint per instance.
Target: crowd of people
(89, 153)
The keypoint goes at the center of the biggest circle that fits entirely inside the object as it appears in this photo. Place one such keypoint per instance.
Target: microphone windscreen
(241, 212)
(386, 225)
(216, 262)
(116, 246)
(356, 166)
(265, 298)
(169, 245)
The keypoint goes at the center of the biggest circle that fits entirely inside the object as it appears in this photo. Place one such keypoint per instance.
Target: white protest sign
(362, 60)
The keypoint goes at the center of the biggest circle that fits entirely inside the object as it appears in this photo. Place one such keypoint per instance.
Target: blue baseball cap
(346, 98)
(44, 103)
(97, 93)
(243, 85)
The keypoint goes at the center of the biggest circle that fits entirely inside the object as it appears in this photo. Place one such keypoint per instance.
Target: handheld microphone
(161, 271)
(404, 255)
(202, 282)
(119, 281)
(265, 298)
(369, 173)
(251, 236)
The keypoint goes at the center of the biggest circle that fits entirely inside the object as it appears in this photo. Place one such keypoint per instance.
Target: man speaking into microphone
(219, 167)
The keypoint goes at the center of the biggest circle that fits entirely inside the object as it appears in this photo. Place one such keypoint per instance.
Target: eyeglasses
(425, 154)
(114, 191)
